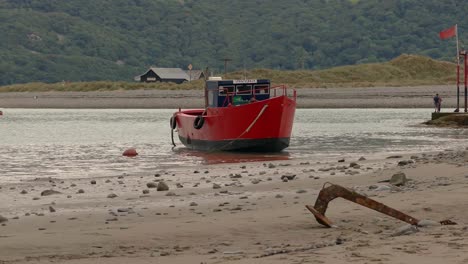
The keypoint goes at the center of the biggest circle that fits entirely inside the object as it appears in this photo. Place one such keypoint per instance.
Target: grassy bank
(405, 70)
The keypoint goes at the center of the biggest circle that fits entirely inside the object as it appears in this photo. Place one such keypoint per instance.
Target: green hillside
(404, 70)
(90, 40)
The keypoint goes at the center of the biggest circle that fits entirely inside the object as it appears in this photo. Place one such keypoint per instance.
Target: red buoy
(131, 152)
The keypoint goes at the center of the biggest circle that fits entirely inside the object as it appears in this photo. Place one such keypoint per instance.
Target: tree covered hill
(87, 40)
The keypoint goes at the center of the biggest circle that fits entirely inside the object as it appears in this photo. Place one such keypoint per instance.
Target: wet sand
(242, 213)
(375, 97)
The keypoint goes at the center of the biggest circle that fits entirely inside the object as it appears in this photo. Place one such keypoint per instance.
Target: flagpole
(458, 70)
(458, 48)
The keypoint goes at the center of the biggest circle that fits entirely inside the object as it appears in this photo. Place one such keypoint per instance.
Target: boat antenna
(206, 77)
(245, 72)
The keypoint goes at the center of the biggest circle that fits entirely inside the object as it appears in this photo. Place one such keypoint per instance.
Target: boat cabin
(222, 93)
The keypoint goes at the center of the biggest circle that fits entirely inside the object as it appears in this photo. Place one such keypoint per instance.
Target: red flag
(448, 33)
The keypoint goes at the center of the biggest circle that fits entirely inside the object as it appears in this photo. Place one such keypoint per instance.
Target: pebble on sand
(162, 186)
(398, 179)
(151, 185)
(3, 219)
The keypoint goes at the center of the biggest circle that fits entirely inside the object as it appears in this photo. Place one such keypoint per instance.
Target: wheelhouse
(223, 93)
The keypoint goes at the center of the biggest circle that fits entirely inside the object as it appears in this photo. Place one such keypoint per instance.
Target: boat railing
(275, 91)
(283, 90)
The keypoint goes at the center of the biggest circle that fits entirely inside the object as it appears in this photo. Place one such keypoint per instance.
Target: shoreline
(372, 97)
(241, 213)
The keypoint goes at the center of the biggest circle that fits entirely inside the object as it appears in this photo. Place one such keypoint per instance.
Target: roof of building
(169, 73)
(194, 74)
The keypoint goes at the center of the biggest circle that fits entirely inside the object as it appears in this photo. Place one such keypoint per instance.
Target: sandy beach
(373, 97)
(241, 213)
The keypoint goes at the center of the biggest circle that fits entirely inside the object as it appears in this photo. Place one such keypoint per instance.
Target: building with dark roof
(175, 75)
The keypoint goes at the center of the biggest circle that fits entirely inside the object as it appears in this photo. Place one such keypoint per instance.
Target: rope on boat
(246, 130)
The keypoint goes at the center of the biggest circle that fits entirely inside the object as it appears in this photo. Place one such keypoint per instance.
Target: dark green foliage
(82, 40)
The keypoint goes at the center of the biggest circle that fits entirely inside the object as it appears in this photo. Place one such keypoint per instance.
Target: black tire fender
(198, 122)
(173, 122)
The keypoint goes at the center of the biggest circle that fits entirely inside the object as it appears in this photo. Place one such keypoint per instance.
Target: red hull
(259, 126)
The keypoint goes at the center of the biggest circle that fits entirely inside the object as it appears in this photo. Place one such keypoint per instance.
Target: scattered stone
(256, 181)
(41, 228)
(3, 219)
(193, 204)
(427, 223)
(398, 179)
(353, 164)
(301, 191)
(93, 182)
(162, 186)
(216, 186)
(49, 192)
(406, 230)
(395, 157)
(217, 210)
(235, 176)
(151, 185)
(123, 210)
(112, 195)
(179, 185)
(80, 191)
(51, 209)
(288, 176)
(279, 196)
(36, 198)
(146, 191)
(24, 192)
(402, 163)
(271, 166)
(341, 160)
(362, 158)
(170, 194)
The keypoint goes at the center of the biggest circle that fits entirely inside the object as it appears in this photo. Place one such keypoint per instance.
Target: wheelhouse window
(243, 89)
(224, 90)
(262, 89)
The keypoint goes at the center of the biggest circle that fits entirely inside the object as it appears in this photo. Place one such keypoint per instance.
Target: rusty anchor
(329, 193)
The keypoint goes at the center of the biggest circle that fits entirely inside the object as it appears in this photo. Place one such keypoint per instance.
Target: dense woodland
(87, 40)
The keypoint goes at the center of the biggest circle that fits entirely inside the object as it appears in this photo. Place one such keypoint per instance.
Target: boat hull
(250, 145)
(263, 126)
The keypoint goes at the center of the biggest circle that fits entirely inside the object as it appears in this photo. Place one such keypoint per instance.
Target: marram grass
(405, 70)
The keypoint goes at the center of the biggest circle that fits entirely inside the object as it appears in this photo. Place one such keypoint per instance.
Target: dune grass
(405, 70)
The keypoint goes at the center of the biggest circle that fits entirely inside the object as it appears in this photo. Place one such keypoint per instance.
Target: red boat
(242, 115)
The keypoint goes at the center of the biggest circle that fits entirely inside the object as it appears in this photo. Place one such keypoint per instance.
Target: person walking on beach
(437, 102)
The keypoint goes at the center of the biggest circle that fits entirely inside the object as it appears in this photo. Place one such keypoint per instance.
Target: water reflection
(229, 157)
